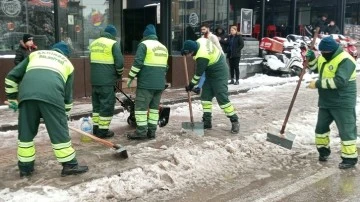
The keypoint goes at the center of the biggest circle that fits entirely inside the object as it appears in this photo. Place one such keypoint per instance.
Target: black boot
(235, 127)
(236, 82)
(26, 168)
(232, 81)
(348, 163)
(324, 153)
(323, 158)
(95, 130)
(207, 125)
(104, 133)
(151, 134)
(136, 136)
(73, 169)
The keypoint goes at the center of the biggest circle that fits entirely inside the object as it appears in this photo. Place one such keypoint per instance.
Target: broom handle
(104, 142)
(189, 95)
(305, 65)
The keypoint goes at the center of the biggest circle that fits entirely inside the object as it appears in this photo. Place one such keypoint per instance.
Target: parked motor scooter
(285, 61)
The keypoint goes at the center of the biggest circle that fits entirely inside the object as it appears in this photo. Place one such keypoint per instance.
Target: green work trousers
(219, 90)
(103, 102)
(345, 119)
(147, 101)
(30, 112)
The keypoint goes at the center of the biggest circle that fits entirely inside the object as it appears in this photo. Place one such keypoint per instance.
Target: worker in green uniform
(45, 91)
(337, 100)
(150, 68)
(106, 62)
(210, 60)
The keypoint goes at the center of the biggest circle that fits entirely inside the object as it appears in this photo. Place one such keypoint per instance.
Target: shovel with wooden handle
(118, 148)
(282, 139)
(195, 127)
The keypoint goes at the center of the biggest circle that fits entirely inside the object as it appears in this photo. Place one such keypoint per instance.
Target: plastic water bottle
(86, 126)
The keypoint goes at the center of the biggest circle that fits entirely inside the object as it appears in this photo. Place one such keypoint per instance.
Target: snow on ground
(189, 160)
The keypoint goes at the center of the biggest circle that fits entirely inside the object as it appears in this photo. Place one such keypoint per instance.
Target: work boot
(104, 133)
(26, 172)
(197, 90)
(73, 169)
(236, 82)
(136, 136)
(95, 130)
(348, 163)
(343, 165)
(235, 127)
(232, 81)
(323, 158)
(26, 168)
(151, 134)
(207, 125)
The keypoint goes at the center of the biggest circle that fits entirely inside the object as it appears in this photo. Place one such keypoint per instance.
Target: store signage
(11, 8)
(193, 19)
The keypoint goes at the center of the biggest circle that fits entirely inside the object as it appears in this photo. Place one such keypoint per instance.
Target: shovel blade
(283, 140)
(196, 127)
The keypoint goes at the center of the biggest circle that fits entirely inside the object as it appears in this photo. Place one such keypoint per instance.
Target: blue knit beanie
(111, 30)
(328, 44)
(149, 30)
(63, 47)
(189, 46)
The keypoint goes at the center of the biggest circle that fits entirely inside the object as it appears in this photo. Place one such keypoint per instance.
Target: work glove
(312, 84)
(310, 55)
(13, 104)
(189, 87)
(129, 82)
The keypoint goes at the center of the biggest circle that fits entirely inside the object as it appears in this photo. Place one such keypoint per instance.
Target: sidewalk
(82, 107)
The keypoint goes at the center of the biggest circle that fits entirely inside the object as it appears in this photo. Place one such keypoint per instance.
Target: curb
(118, 109)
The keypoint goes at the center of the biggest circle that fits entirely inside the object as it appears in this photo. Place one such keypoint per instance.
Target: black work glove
(189, 87)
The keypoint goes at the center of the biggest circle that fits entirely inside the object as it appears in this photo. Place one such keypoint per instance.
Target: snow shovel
(195, 127)
(282, 139)
(118, 148)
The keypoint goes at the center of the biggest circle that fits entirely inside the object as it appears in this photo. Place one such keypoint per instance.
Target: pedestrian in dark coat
(235, 44)
(332, 28)
(25, 48)
(220, 33)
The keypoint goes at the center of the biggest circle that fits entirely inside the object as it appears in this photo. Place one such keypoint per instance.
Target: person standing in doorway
(332, 28)
(106, 63)
(235, 44)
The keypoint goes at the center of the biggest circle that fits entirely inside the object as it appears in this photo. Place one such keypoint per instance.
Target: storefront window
(80, 22)
(352, 24)
(185, 19)
(18, 17)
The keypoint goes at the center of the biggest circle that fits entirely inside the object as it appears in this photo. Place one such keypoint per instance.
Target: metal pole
(27, 16)
(56, 20)
(263, 18)
(341, 16)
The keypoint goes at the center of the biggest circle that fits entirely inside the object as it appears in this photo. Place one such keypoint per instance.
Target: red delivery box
(271, 45)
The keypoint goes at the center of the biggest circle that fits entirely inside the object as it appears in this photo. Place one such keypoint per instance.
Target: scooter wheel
(131, 122)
